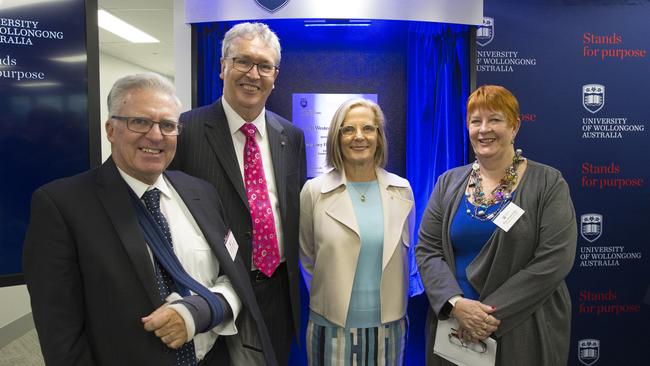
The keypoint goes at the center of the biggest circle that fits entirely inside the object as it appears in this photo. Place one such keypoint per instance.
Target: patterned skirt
(333, 346)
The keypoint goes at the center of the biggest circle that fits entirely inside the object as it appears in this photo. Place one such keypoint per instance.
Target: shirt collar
(140, 187)
(235, 121)
(335, 178)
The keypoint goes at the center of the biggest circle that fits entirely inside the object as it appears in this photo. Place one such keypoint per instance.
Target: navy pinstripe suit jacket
(205, 150)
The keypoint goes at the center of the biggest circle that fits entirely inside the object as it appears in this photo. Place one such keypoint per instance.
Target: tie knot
(152, 199)
(249, 130)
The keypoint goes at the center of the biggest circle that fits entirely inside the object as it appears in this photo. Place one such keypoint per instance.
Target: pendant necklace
(362, 195)
(501, 194)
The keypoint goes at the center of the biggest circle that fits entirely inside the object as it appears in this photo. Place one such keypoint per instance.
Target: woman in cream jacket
(355, 233)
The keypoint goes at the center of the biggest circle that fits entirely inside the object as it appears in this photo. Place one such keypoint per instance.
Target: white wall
(15, 313)
(14, 304)
(111, 69)
(182, 56)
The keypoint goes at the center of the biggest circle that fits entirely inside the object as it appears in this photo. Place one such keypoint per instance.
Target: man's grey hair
(251, 31)
(144, 81)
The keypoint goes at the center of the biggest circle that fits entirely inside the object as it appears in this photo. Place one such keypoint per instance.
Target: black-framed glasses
(245, 65)
(144, 125)
(366, 130)
(478, 347)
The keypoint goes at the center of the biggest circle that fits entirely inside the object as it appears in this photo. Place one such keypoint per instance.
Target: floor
(24, 351)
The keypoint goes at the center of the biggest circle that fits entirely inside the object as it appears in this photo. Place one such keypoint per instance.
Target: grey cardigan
(521, 272)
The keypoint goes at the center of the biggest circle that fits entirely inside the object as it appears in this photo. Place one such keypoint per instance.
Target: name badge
(508, 216)
(231, 245)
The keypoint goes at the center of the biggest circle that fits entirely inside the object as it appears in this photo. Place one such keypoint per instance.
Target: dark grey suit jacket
(90, 276)
(205, 150)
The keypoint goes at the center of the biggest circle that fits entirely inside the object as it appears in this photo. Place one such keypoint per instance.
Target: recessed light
(122, 29)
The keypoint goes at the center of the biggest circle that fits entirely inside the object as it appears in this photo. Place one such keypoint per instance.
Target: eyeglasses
(143, 125)
(245, 65)
(366, 130)
(478, 347)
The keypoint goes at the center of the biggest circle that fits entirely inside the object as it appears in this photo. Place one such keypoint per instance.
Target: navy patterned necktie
(185, 355)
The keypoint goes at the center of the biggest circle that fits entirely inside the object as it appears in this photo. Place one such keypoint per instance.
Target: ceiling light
(122, 29)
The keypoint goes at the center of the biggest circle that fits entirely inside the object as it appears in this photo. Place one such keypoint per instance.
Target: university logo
(591, 226)
(588, 351)
(593, 97)
(303, 102)
(271, 5)
(485, 33)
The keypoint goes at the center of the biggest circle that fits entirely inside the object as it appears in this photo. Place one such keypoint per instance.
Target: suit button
(247, 235)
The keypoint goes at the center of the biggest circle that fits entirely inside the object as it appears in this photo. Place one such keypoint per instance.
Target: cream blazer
(330, 244)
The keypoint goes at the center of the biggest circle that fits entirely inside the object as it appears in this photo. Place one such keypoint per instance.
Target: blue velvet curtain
(208, 44)
(438, 86)
(438, 81)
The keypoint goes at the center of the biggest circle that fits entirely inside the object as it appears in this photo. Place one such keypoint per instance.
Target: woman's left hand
(475, 319)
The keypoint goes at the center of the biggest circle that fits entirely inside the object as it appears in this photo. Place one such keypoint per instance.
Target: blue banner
(44, 104)
(579, 71)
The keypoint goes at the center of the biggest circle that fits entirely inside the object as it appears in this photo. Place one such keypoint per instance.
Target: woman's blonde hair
(334, 157)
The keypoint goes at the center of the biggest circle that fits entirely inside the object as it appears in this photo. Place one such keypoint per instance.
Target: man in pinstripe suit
(212, 147)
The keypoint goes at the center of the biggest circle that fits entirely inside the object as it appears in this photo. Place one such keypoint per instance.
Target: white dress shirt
(196, 257)
(239, 141)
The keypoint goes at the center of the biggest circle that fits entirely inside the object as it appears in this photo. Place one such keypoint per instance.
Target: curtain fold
(438, 86)
(208, 66)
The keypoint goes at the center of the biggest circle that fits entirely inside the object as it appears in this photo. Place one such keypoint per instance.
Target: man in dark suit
(237, 137)
(111, 254)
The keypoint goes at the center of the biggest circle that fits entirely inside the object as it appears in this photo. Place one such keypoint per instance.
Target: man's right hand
(168, 325)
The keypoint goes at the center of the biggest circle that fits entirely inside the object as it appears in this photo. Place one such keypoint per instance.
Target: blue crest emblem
(485, 33)
(303, 102)
(593, 97)
(271, 5)
(591, 226)
(588, 351)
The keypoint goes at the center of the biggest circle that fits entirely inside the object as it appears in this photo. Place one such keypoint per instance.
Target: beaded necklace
(500, 195)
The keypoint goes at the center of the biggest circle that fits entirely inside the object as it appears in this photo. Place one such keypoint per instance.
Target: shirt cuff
(227, 327)
(452, 302)
(200, 310)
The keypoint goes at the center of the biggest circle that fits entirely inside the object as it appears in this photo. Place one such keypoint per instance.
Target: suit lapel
(114, 193)
(220, 140)
(340, 208)
(277, 143)
(396, 210)
(204, 214)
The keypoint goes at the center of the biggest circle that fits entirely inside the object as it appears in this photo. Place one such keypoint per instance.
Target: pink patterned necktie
(266, 255)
